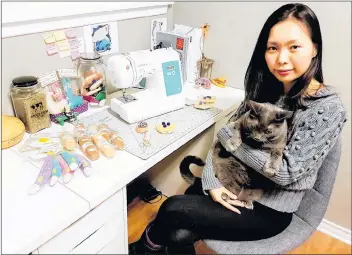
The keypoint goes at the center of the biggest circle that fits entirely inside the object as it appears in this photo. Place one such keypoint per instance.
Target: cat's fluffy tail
(186, 172)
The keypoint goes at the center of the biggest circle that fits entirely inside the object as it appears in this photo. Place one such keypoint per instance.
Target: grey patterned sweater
(312, 134)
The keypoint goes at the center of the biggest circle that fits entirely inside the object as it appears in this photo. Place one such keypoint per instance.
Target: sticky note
(63, 45)
(74, 54)
(48, 38)
(65, 53)
(81, 48)
(51, 49)
(70, 33)
(60, 35)
(74, 44)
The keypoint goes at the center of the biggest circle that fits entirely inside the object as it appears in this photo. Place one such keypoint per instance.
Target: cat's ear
(252, 105)
(282, 115)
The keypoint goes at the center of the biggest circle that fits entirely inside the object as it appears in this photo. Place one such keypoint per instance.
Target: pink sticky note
(70, 33)
(51, 49)
(74, 54)
(74, 44)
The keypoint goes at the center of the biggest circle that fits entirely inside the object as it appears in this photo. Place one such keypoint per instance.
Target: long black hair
(260, 84)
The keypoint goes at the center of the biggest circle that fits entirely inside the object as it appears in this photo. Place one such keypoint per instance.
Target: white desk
(88, 215)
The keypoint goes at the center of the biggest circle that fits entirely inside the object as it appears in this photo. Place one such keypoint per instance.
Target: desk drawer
(118, 245)
(111, 233)
(80, 230)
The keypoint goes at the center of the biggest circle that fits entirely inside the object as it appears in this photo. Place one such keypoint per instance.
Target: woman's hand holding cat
(230, 202)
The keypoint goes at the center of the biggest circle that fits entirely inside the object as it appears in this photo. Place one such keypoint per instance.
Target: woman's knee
(183, 237)
(173, 204)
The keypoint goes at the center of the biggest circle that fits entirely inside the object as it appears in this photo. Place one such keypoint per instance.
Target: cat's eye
(252, 114)
(278, 121)
(267, 131)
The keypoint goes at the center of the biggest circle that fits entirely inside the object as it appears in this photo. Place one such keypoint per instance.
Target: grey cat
(262, 126)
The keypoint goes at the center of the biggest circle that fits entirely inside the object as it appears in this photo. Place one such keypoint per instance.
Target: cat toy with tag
(56, 172)
(84, 165)
(43, 176)
(66, 171)
(62, 164)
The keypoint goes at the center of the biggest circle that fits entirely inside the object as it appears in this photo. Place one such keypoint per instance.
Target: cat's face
(263, 122)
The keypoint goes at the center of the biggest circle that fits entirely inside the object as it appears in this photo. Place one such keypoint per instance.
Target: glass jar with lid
(29, 103)
(91, 72)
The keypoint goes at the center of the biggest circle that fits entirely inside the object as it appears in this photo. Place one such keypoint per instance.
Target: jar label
(48, 79)
(100, 141)
(36, 112)
(113, 137)
(86, 144)
(69, 73)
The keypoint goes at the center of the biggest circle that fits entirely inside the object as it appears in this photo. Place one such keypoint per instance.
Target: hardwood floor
(141, 213)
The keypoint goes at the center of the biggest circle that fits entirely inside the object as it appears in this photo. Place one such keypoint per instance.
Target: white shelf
(21, 18)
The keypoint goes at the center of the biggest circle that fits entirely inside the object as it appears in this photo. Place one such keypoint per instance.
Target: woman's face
(289, 51)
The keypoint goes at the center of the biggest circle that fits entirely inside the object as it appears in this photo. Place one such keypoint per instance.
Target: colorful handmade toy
(203, 82)
(166, 127)
(56, 165)
(220, 82)
(205, 102)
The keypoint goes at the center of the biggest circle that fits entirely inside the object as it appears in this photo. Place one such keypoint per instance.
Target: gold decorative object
(205, 65)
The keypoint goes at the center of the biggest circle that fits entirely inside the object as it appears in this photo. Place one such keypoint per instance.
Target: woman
(286, 69)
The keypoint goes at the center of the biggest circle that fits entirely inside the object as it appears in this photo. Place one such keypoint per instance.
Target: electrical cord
(151, 194)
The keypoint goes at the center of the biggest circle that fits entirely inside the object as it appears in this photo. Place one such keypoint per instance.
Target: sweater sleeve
(314, 133)
(209, 181)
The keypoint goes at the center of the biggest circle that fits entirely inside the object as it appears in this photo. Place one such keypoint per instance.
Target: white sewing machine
(163, 88)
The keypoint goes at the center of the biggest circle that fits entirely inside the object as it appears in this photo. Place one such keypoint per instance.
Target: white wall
(234, 28)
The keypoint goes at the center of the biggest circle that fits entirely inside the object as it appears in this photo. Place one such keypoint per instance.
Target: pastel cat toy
(56, 171)
(84, 165)
(63, 164)
(66, 171)
(71, 160)
(43, 176)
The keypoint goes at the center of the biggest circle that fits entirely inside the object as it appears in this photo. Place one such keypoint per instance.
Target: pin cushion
(142, 127)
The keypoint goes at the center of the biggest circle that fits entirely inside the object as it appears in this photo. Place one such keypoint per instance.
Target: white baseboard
(336, 231)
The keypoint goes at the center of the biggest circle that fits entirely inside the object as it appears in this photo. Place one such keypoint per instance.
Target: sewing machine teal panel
(172, 77)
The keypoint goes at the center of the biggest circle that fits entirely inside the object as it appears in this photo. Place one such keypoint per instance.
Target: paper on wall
(60, 35)
(65, 53)
(74, 54)
(51, 49)
(63, 45)
(48, 37)
(70, 33)
(101, 38)
(64, 42)
(81, 44)
(77, 44)
(156, 25)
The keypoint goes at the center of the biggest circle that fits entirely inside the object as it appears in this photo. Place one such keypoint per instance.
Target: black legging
(184, 219)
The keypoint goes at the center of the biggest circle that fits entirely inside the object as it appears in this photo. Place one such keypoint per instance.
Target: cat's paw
(269, 170)
(233, 144)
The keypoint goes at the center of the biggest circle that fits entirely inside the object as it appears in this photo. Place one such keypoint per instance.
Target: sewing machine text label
(172, 77)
